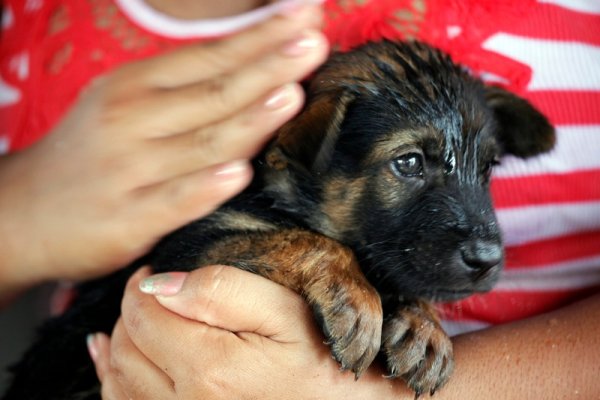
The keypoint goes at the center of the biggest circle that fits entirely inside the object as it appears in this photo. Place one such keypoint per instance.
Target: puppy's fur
(372, 203)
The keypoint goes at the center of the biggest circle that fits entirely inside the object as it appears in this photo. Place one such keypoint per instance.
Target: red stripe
(552, 251)
(580, 186)
(500, 307)
(567, 107)
(552, 22)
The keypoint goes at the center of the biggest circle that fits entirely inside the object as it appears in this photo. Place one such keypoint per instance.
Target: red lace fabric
(65, 44)
(459, 27)
(68, 42)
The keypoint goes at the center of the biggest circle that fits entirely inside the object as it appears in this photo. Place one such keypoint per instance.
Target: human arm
(276, 351)
(133, 158)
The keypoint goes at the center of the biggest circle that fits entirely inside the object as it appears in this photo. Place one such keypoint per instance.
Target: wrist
(18, 266)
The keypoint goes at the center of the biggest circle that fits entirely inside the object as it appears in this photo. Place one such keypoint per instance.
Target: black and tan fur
(372, 203)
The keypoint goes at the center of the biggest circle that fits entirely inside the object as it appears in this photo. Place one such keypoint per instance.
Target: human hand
(226, 334)
(150, 147)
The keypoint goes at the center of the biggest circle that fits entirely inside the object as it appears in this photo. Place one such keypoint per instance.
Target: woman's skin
(195, 9)
(133, 158)
(222, 333)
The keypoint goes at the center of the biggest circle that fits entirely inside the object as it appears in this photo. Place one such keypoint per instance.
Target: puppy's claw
(351, 318)
(417, 349)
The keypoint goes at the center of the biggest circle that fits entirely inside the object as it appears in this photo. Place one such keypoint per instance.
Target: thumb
(234, 300)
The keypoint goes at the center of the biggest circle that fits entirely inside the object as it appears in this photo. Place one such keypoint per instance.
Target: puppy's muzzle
(481, 255)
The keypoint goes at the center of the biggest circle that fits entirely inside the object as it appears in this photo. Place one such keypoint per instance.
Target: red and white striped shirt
(547, 51)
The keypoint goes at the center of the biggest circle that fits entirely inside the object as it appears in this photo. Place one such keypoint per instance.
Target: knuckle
(205, 141)
(217, 54)
(209, 291)
(216, 92)
(214, 385)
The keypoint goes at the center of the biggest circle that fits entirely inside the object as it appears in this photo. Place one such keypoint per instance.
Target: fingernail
(281, 97)
(292, 8)
(309, 41)
(167, 284)
(232, 168)
(92, 346)
(289, 8)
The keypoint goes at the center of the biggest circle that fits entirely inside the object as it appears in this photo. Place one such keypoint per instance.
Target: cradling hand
(222, 333)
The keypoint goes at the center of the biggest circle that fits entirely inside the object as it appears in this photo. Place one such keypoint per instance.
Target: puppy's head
(395, 147)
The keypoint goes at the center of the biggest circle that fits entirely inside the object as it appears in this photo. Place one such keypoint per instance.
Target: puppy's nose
(482, 255)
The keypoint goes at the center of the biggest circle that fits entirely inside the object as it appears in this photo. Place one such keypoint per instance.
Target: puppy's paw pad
(417, 350)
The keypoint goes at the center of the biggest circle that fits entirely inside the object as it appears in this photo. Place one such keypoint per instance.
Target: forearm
(551, 356)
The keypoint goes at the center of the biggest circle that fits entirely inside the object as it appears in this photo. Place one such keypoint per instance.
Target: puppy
(372, 203)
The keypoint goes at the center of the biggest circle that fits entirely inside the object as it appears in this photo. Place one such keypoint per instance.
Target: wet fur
(330, 216)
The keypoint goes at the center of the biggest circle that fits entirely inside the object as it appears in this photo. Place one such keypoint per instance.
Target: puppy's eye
(408, 165)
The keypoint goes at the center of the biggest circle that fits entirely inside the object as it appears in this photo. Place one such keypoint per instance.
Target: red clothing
(546, 51)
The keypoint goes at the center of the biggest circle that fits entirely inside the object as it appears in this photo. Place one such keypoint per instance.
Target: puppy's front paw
(350, 315)
(417, 348)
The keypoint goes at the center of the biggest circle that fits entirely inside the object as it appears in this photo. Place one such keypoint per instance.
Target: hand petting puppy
(148, 148)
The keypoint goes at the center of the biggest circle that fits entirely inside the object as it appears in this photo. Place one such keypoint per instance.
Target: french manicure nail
(232, 168)
(300, 46)
(166, 284)
(92, 346)
(292, 8)
(289, 8)
(280, 97)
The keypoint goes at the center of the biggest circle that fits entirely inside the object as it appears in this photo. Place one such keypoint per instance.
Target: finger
(112, 389)
(198, 62)
(237, 301)
(99, 349)
(134, 371)
(240, 137)
(188, 197)
(180, 110)
(169, 339)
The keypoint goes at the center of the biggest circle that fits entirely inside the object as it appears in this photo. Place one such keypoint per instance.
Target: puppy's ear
(524, 131)
(309, 139)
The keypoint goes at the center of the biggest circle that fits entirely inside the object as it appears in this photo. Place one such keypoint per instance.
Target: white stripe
(577, 274)
(8, 95)
(586, 6)
(159, 23)
(577, 148)
(521, 225)
(4, 144)
(453, 328)
(555, 64)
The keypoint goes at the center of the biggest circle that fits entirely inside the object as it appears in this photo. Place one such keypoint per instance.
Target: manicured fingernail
(281, 97)
(289, 8)
(92, 346)
(309, 41)
(292, 8)
(232, 168)
(166, 284)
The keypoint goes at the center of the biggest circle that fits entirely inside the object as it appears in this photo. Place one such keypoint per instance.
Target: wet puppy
(372, 203)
